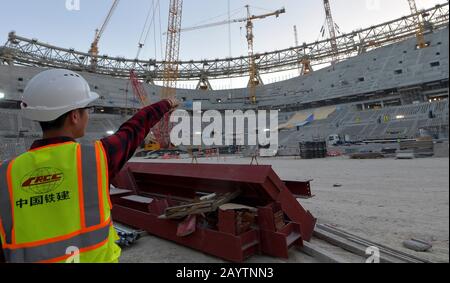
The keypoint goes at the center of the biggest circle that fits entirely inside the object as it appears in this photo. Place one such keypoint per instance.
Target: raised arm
(121, 146)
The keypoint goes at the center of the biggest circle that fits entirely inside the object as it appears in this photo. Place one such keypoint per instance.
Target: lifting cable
(149, 22)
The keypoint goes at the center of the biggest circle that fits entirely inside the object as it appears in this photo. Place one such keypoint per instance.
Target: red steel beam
(167, 184)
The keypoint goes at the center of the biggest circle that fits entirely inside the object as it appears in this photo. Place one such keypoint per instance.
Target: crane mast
(296, 45)
(420, 28)
(303, 60)
(172, 48)
(170, 77)
(254, 81)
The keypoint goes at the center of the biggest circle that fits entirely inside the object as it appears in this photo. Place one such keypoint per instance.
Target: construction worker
(54, 199)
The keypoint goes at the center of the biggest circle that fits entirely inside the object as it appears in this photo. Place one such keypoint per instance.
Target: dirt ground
(385, 200)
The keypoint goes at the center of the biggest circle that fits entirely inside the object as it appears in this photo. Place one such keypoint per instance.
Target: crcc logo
(42, 181)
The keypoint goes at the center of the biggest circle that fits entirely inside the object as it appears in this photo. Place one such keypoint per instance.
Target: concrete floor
(386, 200)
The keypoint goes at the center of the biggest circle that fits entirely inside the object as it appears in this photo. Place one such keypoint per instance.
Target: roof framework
(30, 52)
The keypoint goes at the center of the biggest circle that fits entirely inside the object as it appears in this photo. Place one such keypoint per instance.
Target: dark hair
(55, 124)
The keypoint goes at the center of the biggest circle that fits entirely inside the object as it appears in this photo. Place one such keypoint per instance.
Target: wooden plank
(116, 191)
(139, 199)
(320, 254)
(384, 249)
(350, 246)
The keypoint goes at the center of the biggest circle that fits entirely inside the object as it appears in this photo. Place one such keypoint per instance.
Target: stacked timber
(367, 155)
(423, 147)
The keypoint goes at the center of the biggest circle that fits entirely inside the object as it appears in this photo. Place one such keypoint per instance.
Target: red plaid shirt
(121, 146)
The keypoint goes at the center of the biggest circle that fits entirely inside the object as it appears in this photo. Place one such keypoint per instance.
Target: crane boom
(93, 51)
(212, 25)
(108, 18)
(241, 20)
(331, 30)
(276, 13)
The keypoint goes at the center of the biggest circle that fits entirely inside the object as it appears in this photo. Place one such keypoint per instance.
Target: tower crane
(255, 79)
(93, 51)
(420, 27)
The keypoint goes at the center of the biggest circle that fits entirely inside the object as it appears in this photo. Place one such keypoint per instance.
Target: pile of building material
(441, 149)
(367, 155)
(389, 151)
(405, 154)
(313, 150)
(423, 147)
(363, 247)
(229, 211)
(208, 203)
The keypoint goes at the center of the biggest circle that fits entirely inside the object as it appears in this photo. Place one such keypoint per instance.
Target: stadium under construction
(377, 92)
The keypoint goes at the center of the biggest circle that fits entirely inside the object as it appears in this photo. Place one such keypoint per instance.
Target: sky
(52, 22)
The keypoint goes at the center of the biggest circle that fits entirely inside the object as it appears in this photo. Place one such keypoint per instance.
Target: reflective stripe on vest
(94, 224)
(57, 249)
(5, 203)
(90, 177)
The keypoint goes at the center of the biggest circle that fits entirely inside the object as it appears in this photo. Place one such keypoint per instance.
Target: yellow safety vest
(55, 206)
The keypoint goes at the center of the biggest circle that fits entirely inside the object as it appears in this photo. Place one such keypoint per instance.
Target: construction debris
(422, 147)
(417, 245)
(388, 151)
(187, 227)
(367, 155)
(245, 216)
(322, 255)
(205, 204)
(235, 206)
(359, 245)
(405, 154)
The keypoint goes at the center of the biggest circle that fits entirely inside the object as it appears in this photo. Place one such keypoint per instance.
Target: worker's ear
(74, 117)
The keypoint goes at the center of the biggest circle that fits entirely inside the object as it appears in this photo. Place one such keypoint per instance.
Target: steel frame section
(281, 221)
(31, 52)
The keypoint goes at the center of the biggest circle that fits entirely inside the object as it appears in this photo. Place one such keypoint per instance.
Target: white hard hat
(52, 93)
